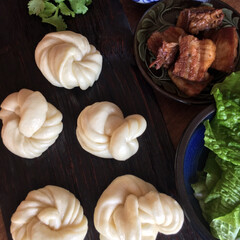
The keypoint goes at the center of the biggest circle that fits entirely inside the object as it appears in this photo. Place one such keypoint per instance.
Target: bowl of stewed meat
(183, 48)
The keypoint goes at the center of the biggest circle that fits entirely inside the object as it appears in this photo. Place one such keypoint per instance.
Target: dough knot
(131, 208)
(66, 59)
(30, 123)
(103, 131)
(49, 213)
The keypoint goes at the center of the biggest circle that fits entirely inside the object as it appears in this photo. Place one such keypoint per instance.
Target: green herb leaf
(79, 6)
(48, 11)
(88, 2)
(65, 10)
(57, 21)
(36, 6)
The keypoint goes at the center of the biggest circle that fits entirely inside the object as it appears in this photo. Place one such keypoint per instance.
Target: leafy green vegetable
(56, 20)
(79, 6)
(222, 136)
(36, 6)
(218, 186)
(48, 11)
(65, 10)
(52, 11)
(227, 226)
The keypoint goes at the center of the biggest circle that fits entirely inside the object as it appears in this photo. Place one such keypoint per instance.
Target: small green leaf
(57, 21)
(48, 10)
(78, 6)
(88, 2)
(65, 10)
(36, 6)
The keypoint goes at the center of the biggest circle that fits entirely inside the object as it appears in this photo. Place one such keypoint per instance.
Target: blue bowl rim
(150, 1)
(179, 177)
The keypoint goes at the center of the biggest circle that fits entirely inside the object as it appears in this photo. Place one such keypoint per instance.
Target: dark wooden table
(109, 25)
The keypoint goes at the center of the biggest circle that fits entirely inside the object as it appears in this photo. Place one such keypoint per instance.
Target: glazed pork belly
(188, 87)
(164, 46)
(194, 20)
(154, 42)
(226, 40)
(166, 55)
(195, 57)
(170, 35)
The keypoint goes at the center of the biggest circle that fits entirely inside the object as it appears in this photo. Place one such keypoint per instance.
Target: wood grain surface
(109, 25)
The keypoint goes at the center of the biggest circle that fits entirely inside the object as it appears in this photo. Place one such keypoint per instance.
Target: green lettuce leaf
(207, 180)
(222, 135)
(226, 189)
(227, 227)
(218, 186)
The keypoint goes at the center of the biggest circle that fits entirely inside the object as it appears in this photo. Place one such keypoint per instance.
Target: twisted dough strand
(30, 123)
(49, 213)
(131, 208)
(66, 59)
(104, 132)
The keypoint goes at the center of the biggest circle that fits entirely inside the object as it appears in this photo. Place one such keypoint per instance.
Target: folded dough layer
(30, 124)
(66, 59)
(132, 209)
(104, 132)
(49, 213)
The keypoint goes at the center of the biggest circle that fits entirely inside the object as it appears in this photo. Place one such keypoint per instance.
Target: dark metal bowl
(190, 157)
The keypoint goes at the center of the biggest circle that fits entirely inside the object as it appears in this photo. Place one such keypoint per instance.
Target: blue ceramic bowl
(191, 156)
(145, 1)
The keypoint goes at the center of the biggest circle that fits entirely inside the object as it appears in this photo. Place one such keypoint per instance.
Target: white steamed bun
(104, 132)
(131, 208)
(66, 59)
(30, 124)
(49, 213)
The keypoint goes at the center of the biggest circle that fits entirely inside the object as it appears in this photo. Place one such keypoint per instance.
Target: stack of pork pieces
(195, 44)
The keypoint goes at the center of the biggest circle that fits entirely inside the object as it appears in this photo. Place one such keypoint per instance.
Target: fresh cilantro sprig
(52, 11)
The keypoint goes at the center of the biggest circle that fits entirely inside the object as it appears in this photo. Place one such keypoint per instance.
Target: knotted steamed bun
(49, 213)
(131, 208)
(30, 123)
(104, 132)
(66, 59)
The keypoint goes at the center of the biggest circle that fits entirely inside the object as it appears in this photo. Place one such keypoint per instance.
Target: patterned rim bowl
(145, 1)
(158, 18)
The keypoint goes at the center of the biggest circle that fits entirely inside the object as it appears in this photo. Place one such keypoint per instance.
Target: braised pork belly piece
(170, 35)
(154, 42)
(226, 40)
(190, 88)
(166, 55)
(194, 20)
(195, 57)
